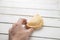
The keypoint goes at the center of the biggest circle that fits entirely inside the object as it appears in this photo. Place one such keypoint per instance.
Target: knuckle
(9, 30)
(15, 24)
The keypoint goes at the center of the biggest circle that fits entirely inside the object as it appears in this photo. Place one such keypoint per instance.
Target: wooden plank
(39, 4)
(4, 28)
(22, 11)
(13, 19)
(32, 38)
(59, 4)
(5, 37)
(44, 32)
(29, 0)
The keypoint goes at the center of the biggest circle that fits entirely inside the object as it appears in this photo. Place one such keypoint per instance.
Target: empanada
(36, 22)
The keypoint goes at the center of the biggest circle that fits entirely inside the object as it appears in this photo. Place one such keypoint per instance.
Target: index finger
(21, 21)
(19, 24)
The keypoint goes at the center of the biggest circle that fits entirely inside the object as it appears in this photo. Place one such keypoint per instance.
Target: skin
(18, 32)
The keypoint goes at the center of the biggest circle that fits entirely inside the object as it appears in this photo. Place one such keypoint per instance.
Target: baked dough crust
(36, 22)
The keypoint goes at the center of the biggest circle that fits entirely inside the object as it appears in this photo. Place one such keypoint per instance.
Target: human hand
(18, 32)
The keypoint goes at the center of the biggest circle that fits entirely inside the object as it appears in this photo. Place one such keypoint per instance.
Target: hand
(18, 32)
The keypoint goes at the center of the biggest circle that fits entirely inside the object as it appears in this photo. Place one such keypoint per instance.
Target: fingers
(18, 25)
(13, 27)
(21, 21)
(10, 30)
(30, 30)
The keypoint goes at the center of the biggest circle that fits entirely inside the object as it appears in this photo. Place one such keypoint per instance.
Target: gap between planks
(35, 36)
(28, 15)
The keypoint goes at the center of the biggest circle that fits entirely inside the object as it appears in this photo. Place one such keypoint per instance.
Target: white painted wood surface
(13, 19)
(12, 10)
(39, 4)
(23, 11)
(5, 37)
(44, 32)
(59, 4)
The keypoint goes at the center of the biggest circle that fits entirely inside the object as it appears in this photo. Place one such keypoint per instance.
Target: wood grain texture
(44, 32)
(39, 4)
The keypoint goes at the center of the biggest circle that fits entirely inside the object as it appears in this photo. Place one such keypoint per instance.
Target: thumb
(30, 30)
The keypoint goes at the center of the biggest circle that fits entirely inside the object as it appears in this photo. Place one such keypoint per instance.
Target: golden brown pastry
(36, 22)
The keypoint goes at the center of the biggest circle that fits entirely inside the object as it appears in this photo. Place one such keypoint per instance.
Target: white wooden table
(12, 10)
